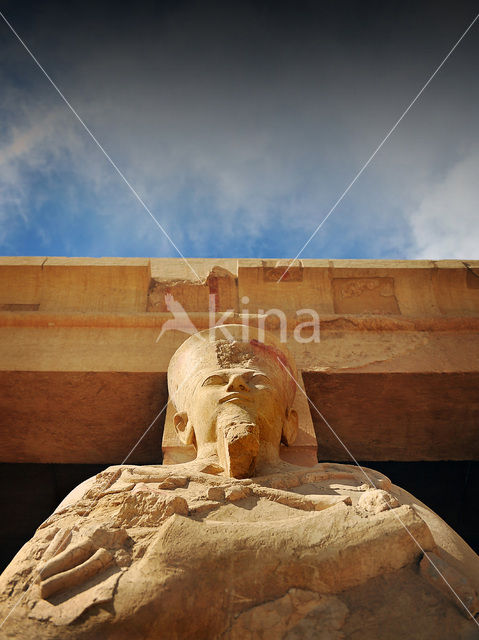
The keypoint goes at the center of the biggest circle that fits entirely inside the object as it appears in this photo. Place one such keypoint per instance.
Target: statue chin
(238, 446)
(237, 433)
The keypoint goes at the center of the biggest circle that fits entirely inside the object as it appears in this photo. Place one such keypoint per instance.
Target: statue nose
(237, 383)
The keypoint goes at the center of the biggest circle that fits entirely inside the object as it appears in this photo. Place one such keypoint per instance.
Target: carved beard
(238, 440)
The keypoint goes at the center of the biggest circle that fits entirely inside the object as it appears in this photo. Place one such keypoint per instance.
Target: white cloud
(445, 224)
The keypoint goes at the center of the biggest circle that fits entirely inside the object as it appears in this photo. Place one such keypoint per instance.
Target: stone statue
(238, 544)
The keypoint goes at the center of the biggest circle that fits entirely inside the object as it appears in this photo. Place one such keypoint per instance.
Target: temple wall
(83, 366)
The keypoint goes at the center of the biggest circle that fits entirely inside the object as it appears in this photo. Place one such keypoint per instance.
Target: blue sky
(239, 124)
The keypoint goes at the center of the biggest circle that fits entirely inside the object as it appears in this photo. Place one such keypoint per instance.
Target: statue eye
(213, 380)
(259, 379)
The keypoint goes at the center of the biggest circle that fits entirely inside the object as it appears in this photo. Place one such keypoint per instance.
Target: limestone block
(365, 295)
(20, 283)
(108, 284)
(175, 284)
(304, 287)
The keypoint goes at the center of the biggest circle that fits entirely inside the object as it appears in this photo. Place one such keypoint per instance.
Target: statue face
(247, 394)
(239, 409)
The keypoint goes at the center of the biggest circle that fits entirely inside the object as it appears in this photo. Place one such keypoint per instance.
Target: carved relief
(365, 295)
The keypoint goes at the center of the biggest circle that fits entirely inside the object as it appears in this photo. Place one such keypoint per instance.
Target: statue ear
(184, 428)
(290, 427)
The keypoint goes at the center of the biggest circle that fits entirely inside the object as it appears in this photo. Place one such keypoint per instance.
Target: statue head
(233, 397)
